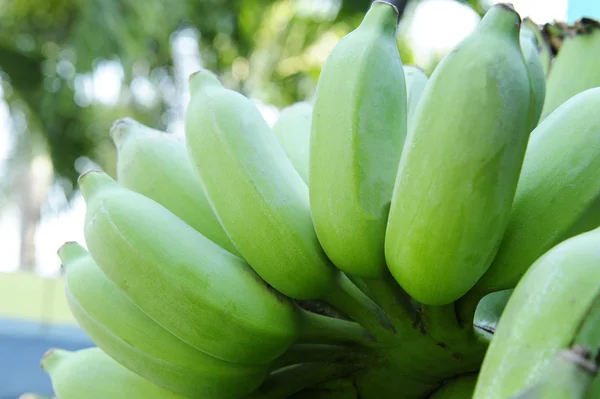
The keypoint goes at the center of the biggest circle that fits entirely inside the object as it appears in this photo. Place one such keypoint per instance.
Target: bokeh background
(70, 68)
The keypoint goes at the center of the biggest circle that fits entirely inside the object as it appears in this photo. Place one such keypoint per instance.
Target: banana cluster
(391, 197)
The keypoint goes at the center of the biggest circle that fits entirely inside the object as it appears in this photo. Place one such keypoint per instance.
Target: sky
(437, 27)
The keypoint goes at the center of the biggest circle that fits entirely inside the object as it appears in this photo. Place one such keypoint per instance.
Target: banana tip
(390, 3)
(66, 244)
(46, 358)
(70, 250)
(92, 181)
(511, 8)
(202, 77)
(120, 130)
(85, 175)
(508, 6)
(200, 72)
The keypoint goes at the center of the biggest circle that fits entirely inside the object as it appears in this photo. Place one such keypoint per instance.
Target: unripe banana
(358, 131)
(292, 129)
(458, 388)
(488, 313)
(255, 191)
(196, 290)
(544, 50)
(568, 376)
(92, 374)
(137, 342)
(558, 195)
(156, 165)
(575, 67)
(545, 314)
(460, 164)
(531, 51)
(416, 80)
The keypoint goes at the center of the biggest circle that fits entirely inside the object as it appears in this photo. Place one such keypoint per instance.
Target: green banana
(92, 374)
(568, 376)
(458, 388)
(544, 50)
(156, 165)
(461, 163)
(488, 313)
(575, 67)
(137, 342)
(531, 51)
(196, 290)
(558, 195)
(292, 129)
(546, 312)
(255, 191)
(416, 80)
(358, 130)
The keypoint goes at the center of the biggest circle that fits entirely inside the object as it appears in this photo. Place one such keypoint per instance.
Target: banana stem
(307, 353)
(386, 292)
(319, 329)
(290, 380)
(440, 321)
(355, 304)
(360, 283)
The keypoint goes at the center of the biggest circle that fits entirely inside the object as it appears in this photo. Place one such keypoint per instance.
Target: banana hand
(137, 342)
(196, 290)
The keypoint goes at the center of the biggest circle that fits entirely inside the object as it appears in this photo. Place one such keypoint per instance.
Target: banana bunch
(402, 235)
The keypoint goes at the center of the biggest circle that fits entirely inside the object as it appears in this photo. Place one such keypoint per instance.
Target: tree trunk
(33, 189)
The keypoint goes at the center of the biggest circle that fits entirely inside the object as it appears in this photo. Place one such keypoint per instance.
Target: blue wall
(22, 345)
